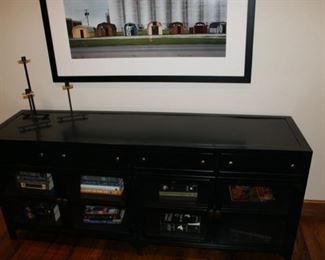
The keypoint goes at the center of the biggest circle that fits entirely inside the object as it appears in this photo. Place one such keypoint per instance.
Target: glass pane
(241, 193)
(178, 191)
(34, 181)
(180, 223)
(104, 215)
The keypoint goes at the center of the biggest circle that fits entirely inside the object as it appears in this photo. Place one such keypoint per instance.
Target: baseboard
(314, 208)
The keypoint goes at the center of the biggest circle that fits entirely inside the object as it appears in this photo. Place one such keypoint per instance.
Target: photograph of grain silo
(146, 28)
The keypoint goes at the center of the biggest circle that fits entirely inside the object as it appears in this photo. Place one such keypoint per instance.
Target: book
(101, 210)
(100, 187)
(96, 191)
(241, 193)
(102, 215)
(33, 176)
(102, 181)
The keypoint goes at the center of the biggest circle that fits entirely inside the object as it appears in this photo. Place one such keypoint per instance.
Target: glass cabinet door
(176, 224)
(175, 190)
(250, 230)
(258, 196)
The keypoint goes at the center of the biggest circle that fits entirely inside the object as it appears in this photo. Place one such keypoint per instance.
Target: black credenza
(224, 182)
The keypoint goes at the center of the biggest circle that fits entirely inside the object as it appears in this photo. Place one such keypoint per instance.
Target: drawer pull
(203, 162)
(230, 163)
(117, 158)
(143, 159)
(41, 155)
(293, 166)
(63, 155)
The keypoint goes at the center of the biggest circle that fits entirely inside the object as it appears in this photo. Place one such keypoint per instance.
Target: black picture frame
(246, 78)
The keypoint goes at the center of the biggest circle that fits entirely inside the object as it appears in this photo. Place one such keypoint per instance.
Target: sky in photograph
(75, 9)
(206, 11)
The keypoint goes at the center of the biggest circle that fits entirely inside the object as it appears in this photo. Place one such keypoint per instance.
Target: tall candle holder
(72, 116)
(39, 120)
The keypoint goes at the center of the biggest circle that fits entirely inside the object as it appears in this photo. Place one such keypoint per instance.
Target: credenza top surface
(164, 129)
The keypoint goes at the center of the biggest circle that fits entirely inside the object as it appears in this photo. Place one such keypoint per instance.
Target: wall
(288, 68)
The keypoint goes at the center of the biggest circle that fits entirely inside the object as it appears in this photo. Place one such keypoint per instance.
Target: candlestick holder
(72, 116)
(39, 120)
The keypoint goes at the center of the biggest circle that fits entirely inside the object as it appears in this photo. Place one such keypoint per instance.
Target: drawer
(263, 162)
(31, 154)
(174, 160)
(89, 158)
(77, 156)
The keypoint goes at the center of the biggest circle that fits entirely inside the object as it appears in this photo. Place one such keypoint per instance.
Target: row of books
(102, 215)
(35, 180)
(180, 223)
(101, 185)
(239, 193)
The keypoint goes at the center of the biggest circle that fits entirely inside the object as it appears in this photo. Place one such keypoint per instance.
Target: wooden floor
(310, 245)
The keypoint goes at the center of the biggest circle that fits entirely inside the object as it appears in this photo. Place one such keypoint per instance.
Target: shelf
(102, 199)
(176, 206)
(30, 194)
(179, 237)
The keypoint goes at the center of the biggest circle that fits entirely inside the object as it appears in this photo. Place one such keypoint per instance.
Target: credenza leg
(12, 233)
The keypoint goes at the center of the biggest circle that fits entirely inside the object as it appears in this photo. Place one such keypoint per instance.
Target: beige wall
(288, 75)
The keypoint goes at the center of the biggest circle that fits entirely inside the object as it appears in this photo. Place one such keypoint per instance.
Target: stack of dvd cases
(102, 215)
(101, 185)
(174, 190)
(35, 180)
(180, 223)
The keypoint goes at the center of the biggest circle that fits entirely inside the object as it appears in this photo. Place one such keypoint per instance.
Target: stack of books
(101, 185)
(180, 223)
(240, 193)
(35, 180)
(102, 215)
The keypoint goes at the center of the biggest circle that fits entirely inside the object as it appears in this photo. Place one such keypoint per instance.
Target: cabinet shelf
(176, 206)
(102, 199)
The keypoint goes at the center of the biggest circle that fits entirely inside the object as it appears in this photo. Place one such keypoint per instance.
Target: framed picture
(149, 40)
